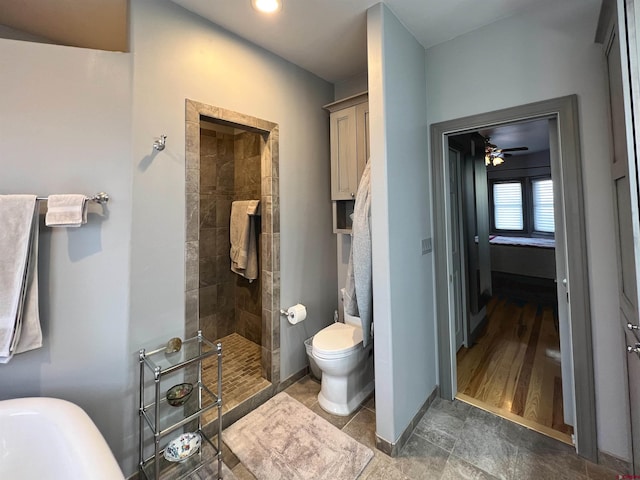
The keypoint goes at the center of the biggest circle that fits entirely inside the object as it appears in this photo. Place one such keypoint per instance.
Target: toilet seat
(336, 341)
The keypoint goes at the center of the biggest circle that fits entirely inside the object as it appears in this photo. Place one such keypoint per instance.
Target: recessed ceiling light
(267, 6)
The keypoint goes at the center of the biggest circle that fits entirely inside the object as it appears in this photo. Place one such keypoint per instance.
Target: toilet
(347, 366)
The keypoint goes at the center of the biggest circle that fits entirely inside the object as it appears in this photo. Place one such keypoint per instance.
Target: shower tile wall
(248, 182)
(229, 170)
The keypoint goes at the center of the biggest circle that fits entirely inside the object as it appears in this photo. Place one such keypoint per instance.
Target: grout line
(449, 454)
(350, 420)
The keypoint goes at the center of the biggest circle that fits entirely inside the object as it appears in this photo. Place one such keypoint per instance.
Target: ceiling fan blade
(515, 149)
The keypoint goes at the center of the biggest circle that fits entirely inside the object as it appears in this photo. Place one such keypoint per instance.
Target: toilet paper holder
(284, 312)
(295, 314)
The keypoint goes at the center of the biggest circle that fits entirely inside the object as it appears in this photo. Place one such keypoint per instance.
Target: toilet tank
(349, 319)
(352, 320)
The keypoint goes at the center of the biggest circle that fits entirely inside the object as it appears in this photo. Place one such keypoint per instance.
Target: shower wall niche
(229, 157)
(229, 171)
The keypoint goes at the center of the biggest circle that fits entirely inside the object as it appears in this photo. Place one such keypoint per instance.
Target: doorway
(561, 114)
(231, 157)
(508, 340)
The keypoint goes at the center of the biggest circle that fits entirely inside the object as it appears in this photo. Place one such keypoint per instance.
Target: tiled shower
(232, 156)
(229, 170)
(230, 306)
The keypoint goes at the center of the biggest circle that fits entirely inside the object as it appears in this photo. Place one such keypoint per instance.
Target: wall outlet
(426, 246)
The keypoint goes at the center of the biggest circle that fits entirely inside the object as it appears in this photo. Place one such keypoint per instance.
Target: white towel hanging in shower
(242, 236)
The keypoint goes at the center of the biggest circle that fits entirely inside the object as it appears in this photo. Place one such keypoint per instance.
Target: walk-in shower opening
(232, 158)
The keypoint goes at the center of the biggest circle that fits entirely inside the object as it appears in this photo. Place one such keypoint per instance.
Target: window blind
(543, 220)
(507, 205)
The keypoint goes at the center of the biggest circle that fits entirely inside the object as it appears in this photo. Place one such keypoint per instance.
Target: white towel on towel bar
(68, 210)
(242, 236)
(19, 316)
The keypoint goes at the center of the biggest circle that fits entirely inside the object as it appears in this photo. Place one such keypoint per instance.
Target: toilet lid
(337, 339)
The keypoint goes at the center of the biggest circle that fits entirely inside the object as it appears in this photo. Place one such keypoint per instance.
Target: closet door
(623, 167)
(623, 184)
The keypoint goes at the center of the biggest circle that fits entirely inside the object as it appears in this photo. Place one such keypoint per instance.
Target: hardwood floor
(514, 368)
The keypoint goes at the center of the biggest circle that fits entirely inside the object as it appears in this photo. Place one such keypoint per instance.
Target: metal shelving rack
(193, 352)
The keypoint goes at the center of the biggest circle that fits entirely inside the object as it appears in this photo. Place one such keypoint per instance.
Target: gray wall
(71, 120)
(351, 86)
(546, 53)
(179, 55)
(528, 261)
(405, 346)
(65, 127)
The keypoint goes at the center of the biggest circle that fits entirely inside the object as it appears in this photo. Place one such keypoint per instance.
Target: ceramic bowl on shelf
(179, 394)
(182, 447)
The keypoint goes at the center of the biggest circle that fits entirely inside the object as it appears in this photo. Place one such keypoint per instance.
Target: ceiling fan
(494, 155)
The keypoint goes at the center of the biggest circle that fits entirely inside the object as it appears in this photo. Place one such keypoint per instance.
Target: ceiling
(325, 37)
(533, 134)
(328, 37)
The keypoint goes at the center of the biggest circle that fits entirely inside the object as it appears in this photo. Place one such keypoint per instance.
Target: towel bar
(100, 198)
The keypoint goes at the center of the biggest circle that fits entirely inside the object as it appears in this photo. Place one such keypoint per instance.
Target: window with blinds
(507, 206)
(543, 220)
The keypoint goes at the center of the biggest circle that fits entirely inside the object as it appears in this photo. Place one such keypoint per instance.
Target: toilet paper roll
(297, 313)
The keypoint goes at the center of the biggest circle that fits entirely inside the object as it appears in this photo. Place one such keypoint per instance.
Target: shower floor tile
(241, 372)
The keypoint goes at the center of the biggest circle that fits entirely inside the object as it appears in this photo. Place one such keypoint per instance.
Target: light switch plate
(426, 246)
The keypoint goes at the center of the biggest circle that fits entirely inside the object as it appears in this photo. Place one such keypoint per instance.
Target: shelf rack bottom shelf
(206, 457)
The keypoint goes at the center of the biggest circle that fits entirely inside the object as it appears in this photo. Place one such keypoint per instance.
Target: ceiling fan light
(497, 161)
(267, 6)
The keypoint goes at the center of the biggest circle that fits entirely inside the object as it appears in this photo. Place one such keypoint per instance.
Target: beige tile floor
(241, 372)
(452, 441)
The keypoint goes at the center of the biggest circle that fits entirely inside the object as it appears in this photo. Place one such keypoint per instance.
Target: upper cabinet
(349, 128)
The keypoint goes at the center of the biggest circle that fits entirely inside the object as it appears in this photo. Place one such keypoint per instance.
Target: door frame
(565, 110)
(462, 280)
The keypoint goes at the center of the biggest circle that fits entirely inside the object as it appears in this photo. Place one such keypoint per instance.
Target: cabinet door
(362, 128)
(344, 171)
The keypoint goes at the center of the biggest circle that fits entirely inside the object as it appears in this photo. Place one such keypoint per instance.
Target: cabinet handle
(631, 326)
(634, 349)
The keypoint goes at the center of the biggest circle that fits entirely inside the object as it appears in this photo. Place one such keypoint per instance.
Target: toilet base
(344, 409)
(342, 394)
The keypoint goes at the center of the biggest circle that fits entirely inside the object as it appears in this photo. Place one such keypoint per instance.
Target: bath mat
(284, 440)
